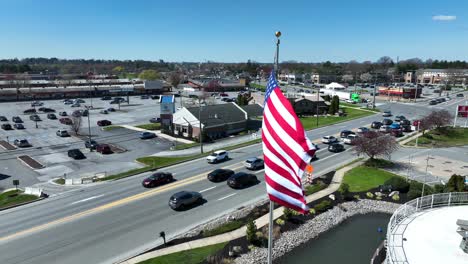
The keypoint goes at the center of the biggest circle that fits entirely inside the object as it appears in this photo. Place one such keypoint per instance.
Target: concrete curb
(240, 232)
(25, 163)
(20, 204)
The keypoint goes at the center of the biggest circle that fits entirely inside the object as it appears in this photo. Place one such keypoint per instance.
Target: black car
(106, 98)
(241, 179)
(91, 144)
(406, 128)
(155, 120)
(184, 199)
(6, 127)
(46, 110)
(219, 175)
(18, 126)
(157, 179)
(76, 154)
(387, 122)
(17, 119)
(51, 116)
(405, 122)
(29, 111)
(35, 118)
(3, 118)
(460, 95)
(335, 147)
(346, 133)
(376, 124)
(433, 102)
(399, 118)
(155, 97)
(144, 97)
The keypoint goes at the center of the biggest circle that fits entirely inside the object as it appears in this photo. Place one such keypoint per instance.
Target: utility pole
(200, 123)
(89, 132)
(317, 112)
(375, 87)
(419, 122)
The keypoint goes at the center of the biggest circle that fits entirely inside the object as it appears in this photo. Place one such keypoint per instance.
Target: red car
(223, 94)
(103, 149)
(65, 121)
(416, 122)
(104, 123)
(157, 178)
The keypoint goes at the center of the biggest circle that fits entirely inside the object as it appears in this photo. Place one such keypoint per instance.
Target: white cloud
(444, 18)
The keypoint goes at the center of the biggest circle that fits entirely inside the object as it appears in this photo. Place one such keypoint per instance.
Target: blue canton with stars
(271, 85)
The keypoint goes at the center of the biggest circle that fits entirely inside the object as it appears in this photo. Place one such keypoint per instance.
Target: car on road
(51, 116)
(144, 97)
(78, 101)
(46, 110)
(104, 149)
(76, 105)
(68, 102)
(62, 133)
(104, 111)
(184, 199)
(241, 180)
(104, 123)
(3, 118)
(376, 124)
(223, 94)
(433, 102)
(219, 175)
(155, 120)
(350, 101)
(76, 154)
(63, 113)
(91, 144)
(254, 163)
(106, 98)
(147, 135)
(385, 129)
(6, 127)
(37, 103)
(335, 147)
(65, 121)
(17, 119)
(362, 130)
(387, 113)
(22, 143)
(110, 109)
(329, 139)
(218, 156)
(155, 97)
(460, 95)
(18, 126)
(350, 139)
(35, 118)
(387, 122)
(399, 118)
(157, 179)
(346, 133)
(29, 111)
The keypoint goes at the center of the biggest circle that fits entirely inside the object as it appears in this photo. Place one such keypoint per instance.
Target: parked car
(106, 98)
(6, 127)
(18, 126)
(223, 94)
(67, 102)
(376, 124)
(3, 118)
(219, 175)
(362, 130)
(76, 105)
(35, 118)
(22, 143)
(183, 199)
(396, 132)
(385, 129)
(387, 113)
(76, 113)
(51, 116)
(62, 133)
(335, 147)
(78, 101)
(110, 109)
(103, 112)
(433, 102)
(155, 120)
(104, 123)
(416, 122)
(329, 139)
(104, 149)
(399, 118)
(406, 128)
(46, 110)
(85, 112)
(144, 96)
(76, 154)
(217, 156)
(460, 95)
(37, 103)
(65, 121)
(350, 101)
(254, 163)
(63, 113)
(29, 111)
(346, 133)
(405, 122)
(241, 180)
(157, 179)
(147, 135)
(395, 126)
(91, 144)
(387, 122)
(155, 97)
(350, 139)
(17, 119)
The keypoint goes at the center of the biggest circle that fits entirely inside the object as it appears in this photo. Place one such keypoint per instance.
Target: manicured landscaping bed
(363, 178)
(193, 256)
(449, 138)
(150, 126)
(15, 197)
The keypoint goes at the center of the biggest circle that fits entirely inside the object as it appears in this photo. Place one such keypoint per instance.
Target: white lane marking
(211, 188)
(227, 196)
(87, 199)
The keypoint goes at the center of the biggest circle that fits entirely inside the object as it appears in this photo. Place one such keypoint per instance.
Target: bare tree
(76, 123)
(440, 118)
(366, 77)
(175, 79)
(375, 144)
(425, 124)
(348, 77)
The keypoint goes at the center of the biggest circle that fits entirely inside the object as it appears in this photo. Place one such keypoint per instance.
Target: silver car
(184, 199)
(254, 163)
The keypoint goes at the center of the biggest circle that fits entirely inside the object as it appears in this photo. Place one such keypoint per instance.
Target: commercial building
(441, 76)
(401, 91)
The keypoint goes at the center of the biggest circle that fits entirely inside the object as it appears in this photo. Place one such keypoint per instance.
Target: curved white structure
(424, 230)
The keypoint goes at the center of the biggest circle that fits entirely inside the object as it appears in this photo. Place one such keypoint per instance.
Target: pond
(352, 242)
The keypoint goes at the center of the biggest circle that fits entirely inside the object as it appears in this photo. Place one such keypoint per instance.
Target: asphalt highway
(107, 222)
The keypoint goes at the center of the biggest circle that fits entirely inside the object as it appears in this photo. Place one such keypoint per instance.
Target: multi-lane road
(107, 222)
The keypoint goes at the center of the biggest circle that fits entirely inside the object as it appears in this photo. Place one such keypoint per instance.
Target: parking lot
(51, 150)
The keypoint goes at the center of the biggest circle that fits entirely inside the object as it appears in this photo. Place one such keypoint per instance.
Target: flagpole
(270, 226)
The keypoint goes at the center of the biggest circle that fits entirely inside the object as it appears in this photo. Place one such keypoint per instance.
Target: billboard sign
(167, 103)
(462, 110)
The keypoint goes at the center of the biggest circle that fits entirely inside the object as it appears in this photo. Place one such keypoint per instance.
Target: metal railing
(401, 218)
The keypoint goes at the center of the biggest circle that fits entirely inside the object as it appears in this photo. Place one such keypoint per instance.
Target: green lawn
(363, 178)
(310, 189)
(192, 256)
(111, 127)
(150, 126)
(15, 197)
(228, 227)
(352, 113)
(181, 146)
(453, 137)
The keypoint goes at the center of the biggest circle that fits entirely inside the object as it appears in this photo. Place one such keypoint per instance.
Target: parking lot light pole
(200, 137)
(89, 133)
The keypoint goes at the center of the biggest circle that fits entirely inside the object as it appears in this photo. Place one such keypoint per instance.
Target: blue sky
(234, 31)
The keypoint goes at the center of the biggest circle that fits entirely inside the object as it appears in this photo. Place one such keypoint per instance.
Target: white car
(349, 101)
(350, 139)
(218, 156)
(329, 139)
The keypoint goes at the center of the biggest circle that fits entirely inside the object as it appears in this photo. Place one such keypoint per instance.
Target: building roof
(215, 115)
(253, 110)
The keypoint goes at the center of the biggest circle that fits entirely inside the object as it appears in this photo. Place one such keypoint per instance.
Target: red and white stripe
(286, 150)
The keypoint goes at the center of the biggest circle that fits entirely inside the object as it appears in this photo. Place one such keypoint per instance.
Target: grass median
(15, 197)
(448, 137)
(363, 178)
(192, 256)
(150, 126)
(351, 113)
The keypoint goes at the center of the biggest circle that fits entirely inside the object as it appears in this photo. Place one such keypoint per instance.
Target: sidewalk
(260, 222)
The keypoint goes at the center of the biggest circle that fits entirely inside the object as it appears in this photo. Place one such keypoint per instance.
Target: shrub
(251, 231)
(280, 221)
(439, 188)
(287, 213)
(395, 197)
(378, 197)
(398, 184)
(344, 189)
(312, 211)
(323, 206)
(369, 195)
(456, 183)
(357, 197)
(413, 194)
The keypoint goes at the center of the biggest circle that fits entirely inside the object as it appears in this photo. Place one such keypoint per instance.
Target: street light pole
(317, 112)
(200, 123)
(89, 133)
(375, 87)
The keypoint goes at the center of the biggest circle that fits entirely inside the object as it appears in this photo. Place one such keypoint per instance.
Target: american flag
(286, 149)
